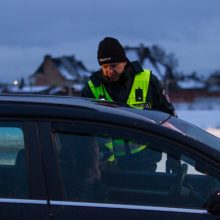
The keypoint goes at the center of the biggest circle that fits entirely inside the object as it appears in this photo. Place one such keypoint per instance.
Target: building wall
(49, 75)
(191, 95)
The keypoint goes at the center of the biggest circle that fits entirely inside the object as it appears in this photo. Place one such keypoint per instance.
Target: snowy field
(206, 119)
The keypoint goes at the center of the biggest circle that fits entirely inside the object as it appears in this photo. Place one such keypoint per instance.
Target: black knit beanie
(110, 51)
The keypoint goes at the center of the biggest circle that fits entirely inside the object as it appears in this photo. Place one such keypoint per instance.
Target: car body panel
(23, 209)
(43, 116)
(99, 211)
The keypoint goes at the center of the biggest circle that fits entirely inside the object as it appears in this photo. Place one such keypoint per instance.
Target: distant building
(213, 82)
(194, 91)
(188, 90)
(62, 71)
(55, 76)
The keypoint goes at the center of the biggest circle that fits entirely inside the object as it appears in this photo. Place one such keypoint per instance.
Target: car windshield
(194, 132)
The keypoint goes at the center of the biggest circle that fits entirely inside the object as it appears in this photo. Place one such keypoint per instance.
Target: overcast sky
(32, 28)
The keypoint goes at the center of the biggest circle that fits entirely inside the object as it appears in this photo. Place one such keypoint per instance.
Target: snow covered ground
(206, 119)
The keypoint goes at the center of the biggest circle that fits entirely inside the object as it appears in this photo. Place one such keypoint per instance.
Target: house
(62, 71)
(188, 90)
(213, 82)
(193, 94)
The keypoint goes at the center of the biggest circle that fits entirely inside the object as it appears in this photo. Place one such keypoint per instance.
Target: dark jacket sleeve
(159, 97)
(86, 92)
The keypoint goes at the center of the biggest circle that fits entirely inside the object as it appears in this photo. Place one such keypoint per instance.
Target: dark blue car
(73, 158)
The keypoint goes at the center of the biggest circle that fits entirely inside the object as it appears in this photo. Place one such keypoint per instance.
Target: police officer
(126, 82)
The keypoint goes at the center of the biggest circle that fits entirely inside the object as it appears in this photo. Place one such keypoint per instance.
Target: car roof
(61, 107)
(84, 103)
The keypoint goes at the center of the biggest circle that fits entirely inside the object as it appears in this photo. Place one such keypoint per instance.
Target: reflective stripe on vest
(141, 82)
(99, 91)
(117, 148)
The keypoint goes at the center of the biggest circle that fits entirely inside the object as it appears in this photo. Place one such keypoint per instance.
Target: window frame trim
(90, 127)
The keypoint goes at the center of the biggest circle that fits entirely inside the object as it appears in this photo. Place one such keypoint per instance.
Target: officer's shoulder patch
(164, 93)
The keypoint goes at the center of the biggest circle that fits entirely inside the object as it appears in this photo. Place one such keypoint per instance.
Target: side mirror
(213, 205)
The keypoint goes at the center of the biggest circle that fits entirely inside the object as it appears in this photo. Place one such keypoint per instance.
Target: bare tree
(157, 56)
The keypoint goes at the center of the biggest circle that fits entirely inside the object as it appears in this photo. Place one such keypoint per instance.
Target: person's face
(113, 71)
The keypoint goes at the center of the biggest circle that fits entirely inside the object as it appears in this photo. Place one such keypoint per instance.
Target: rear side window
(12, 141)
(13, 175)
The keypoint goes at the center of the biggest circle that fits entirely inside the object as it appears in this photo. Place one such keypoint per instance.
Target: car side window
(13, 175)
(117, 169)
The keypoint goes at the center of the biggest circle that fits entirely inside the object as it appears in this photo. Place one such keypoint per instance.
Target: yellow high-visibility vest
(117, 148)
(141, 83)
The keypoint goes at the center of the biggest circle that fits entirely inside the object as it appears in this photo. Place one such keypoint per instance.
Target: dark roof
(73, 67)
(65, 60)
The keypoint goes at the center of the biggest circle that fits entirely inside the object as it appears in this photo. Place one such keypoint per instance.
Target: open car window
(110, 168)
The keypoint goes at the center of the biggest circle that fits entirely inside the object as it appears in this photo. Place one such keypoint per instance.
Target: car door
(105, 171)
(22, 189)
